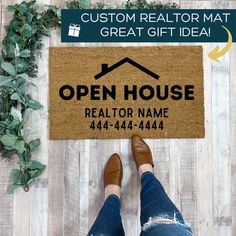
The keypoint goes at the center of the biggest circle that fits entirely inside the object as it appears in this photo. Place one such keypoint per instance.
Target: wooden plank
(130, 191)
(56, 171)
(71, 188)
(6, 204)
(188, 182)
(232, 105)
(84, 187)
(161, 158)
(232, 114)
(39, 190)
(6, 201)
(175, 172)
(55, 188)
(39, 193)
(222, 216)
(233, 134)
(186, 165)
(38, 208)
(204, 158)
(204, 190)
(221, 147)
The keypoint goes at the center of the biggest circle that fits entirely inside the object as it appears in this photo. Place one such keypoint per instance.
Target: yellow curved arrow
(215, 54)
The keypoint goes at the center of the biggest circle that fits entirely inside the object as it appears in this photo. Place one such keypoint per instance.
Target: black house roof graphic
(106, 69)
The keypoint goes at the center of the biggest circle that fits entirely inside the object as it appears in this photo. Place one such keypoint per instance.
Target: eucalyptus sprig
(18, 67)
(144, 4)
(130, 4)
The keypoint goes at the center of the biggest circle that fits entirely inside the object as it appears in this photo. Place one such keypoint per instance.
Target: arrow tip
(213, 56)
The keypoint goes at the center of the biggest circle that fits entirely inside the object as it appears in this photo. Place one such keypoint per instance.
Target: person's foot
(112, 176)
(142, 155)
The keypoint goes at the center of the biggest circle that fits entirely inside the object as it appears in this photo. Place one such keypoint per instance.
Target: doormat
(115, 92)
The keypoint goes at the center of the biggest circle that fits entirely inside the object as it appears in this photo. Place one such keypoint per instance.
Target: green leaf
(11, 188)
(27, 112)
(9, 50)
(25, 178)
(34, 29)
(11, 8)
(9, 139)
(21, 84)
(20, 81)
(11, 85)
(27, 30)
(9, 68)
(36, 165)
(29, 17)
(52, 8)
(21, 64)
(13, 124)
(1, 60)
(85, 3)
(34, 104)
(19, 146)
(38, 172)
(5, 80)
(24, 158)
(59, 13)
(17, 50)
(24, 76)
(39, 16)
(15, 176)
(34, 144)
(16, 96)
(16, 114)
(23, 7)
(25, 53)
(9, 148)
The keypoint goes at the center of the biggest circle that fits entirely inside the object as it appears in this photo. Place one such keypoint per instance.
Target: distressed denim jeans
(159, 215)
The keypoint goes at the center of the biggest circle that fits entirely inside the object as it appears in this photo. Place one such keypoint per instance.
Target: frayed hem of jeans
(164, 219)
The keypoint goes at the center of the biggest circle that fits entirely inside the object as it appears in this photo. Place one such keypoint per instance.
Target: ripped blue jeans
(159, 215)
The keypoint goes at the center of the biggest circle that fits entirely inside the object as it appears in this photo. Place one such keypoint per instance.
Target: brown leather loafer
(141, 151)
(113, 172)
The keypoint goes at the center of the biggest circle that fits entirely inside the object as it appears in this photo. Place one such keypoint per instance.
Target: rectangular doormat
(115, 92)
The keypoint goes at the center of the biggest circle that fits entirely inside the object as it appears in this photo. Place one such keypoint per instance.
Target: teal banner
(165, 25)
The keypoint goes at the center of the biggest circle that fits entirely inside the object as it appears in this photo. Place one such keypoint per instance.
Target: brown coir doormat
(114, 92)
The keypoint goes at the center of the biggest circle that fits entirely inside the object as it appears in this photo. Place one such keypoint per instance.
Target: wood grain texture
(220, 147)
(232, 117)
(222, 214)
(6, 201)
(199, 175)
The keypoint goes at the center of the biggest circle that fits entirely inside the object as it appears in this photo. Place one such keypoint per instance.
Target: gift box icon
(74, 30)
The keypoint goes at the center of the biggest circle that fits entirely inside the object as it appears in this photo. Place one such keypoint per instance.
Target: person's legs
(159, 215)
(156, 206)
(108, 221)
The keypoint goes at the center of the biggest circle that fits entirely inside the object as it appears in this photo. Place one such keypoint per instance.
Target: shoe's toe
(113, 172)
(141, 151)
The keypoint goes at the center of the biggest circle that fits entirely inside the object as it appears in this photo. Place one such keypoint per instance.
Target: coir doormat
(114, 92)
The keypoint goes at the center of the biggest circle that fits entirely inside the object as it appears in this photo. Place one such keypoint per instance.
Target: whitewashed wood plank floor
(198, 174)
